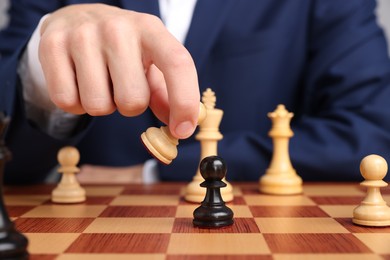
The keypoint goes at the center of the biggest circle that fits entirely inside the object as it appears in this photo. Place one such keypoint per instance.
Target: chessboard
(154, 222)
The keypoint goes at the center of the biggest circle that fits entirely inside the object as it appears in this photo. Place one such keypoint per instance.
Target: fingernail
(184, 129)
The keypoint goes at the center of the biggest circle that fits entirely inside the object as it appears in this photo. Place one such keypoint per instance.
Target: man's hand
(97, 59)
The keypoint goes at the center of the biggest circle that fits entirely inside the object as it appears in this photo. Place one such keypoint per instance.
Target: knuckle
(65, 102)
(51, 42)
(98, 106)
(178, 58)
(115, 26)
(131, 106)
(149, 21)
(115, 33)
(83, 35)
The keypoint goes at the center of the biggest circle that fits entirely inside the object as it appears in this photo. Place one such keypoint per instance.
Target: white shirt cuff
(39, 108)
(31, 73)
(150, 172)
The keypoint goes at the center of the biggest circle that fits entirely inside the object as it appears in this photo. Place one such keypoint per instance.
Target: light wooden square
(377, 242)
(211, 244)
(241, 211)
(65, 211)
(339, 211)
(299, 225)
(269, 200)
(23, 200)
(49, 243)
(131, 225)
(332, 190)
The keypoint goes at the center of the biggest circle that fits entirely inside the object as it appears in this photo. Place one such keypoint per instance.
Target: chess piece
(373, 210)
(68, 190)
(280, 178)
(13, 245)
(161, 144)
(213, 213)
(208, 136)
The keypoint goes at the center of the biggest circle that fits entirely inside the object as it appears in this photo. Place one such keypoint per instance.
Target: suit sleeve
(26, 142)
(344, 112)
(348, 84)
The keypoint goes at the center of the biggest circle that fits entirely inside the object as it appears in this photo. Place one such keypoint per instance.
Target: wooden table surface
(154, 222)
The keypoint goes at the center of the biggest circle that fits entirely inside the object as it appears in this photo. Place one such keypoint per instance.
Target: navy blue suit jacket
(325, 60)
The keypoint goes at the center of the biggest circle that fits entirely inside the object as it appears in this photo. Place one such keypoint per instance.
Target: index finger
(179, 70)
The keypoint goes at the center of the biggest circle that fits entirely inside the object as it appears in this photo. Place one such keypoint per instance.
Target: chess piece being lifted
(13, 245)
(373, 210)
(213, 213)
(68, 190)
(280, 178)
(161, 144)
(208, 135)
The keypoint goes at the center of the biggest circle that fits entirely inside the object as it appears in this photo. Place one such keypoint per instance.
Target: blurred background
(3, 9)
(383, 11)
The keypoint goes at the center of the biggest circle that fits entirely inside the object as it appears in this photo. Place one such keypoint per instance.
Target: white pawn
(373, 210)
(68, 190)
(161, 143)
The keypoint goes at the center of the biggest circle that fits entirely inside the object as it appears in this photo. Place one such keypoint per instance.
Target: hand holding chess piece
(13, 245)
(373, 210)
(213, 213)
(161, 144)
(68, 190)
(280, 178)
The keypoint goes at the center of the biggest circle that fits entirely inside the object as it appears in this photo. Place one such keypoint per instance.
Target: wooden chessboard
(154, 222)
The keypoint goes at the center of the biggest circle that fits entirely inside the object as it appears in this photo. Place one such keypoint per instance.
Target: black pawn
(213, 213)
(13, 245)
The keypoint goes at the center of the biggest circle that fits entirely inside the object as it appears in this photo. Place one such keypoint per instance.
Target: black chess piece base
(215, 217)
(13, 245)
